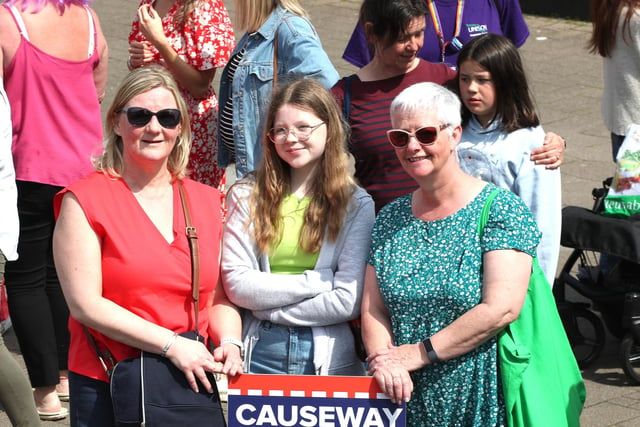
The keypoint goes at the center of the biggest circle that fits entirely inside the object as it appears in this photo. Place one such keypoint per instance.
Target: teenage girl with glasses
(296, 241)
(501, 128)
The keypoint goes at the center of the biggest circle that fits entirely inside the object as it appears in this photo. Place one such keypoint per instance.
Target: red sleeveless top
(141, 271)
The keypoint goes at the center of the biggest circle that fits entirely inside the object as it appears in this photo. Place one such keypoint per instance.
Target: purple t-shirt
(478, 17)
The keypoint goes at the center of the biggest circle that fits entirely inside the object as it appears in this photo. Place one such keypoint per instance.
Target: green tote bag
(541, 381)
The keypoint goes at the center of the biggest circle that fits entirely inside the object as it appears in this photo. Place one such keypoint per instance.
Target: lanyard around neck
(438, 27)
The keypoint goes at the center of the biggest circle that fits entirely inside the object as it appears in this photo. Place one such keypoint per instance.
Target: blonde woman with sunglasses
(122, 253)
(192, 39)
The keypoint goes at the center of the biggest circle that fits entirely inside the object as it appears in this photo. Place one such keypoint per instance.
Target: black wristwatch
(431, 353)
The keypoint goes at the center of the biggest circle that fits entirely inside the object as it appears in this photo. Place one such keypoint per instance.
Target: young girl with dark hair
(500, 129)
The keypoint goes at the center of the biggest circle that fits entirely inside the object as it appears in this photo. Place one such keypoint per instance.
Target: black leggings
(39, 313)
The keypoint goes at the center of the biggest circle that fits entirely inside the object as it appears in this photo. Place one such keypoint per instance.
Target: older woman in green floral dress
(436, 294)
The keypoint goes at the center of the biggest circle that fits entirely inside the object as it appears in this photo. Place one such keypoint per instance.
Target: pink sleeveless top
(57, 124)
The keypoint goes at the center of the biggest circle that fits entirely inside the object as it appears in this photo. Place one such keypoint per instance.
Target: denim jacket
(300, 54)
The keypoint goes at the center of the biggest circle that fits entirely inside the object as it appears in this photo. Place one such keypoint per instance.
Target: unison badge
(327, 401)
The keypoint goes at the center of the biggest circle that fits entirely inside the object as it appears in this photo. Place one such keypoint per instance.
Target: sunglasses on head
(168, 118)
(426, 135)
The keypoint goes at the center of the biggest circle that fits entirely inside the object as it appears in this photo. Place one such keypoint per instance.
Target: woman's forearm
(195, 81)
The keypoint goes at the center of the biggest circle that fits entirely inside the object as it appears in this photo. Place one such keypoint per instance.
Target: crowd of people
(353, 198)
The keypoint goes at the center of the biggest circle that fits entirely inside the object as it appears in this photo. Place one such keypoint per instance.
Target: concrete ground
(567, 83)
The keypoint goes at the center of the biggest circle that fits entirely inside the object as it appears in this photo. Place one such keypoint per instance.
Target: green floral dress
(429, 275)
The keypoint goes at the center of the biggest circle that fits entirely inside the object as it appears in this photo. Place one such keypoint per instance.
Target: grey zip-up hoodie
(324, 298)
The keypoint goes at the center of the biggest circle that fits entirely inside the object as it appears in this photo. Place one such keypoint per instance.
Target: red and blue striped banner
(301, 400)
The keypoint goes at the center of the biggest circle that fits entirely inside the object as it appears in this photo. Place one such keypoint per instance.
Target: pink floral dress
(205, 43)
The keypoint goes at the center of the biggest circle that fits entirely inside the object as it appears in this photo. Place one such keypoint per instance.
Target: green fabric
(429, 274)
(541, 381)
(286, 256)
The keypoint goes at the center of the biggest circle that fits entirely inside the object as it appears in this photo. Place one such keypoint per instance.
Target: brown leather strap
(192, 237)
(105, 357)
(275, 60)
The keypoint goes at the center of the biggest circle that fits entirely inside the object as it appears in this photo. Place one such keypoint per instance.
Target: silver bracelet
(168, 345)
(235, 342)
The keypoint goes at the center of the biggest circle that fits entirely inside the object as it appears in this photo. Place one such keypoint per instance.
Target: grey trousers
(16, 396)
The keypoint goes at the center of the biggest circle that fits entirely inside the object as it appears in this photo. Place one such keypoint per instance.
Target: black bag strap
(104, 356)
(346, 99)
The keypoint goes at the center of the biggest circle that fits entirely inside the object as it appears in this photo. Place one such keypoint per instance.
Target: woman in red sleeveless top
(122, 252)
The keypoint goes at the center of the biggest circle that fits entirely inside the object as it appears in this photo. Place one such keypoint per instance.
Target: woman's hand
(229, 355)
(151, 25)
(196, 82)
(193, 358)
(391, 366)
(551, 154)
(140, 54)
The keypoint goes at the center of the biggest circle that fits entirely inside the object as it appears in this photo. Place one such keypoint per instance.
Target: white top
(9, 225)
(503, 159)
(620, 104)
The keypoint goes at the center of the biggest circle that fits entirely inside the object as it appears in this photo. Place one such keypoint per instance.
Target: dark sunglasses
(168, 118)
(426, 135)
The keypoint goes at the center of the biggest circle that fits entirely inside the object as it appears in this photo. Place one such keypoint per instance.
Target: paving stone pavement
(567, 84)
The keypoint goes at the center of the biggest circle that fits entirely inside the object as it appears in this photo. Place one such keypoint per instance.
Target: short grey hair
(430, 97)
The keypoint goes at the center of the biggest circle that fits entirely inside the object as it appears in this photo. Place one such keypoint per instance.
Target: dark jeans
(39, 313)
(616, 142)
(90, 403)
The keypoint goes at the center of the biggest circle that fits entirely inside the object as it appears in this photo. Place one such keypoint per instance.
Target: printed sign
(301, 400)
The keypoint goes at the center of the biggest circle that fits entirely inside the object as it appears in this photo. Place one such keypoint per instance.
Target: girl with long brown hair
(296, 241)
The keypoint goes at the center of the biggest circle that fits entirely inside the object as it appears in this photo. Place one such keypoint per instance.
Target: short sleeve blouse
(429, 274)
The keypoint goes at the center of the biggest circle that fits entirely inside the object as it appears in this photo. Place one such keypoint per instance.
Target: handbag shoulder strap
(105, 357)
(192, 237)
(486, 209)
(346, 100)
(484, 217)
